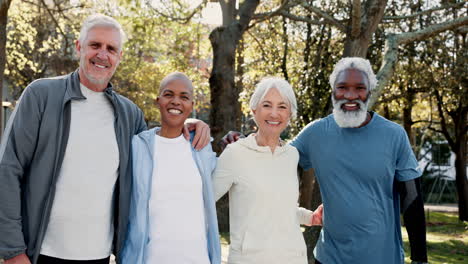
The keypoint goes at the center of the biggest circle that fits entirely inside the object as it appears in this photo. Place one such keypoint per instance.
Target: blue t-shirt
(356, 169)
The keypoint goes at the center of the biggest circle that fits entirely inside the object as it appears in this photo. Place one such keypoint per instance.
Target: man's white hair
(100, 20)
(357, 63)
(283, 87)
(175, 76)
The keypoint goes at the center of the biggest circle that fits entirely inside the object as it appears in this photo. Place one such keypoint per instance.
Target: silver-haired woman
(260, 173)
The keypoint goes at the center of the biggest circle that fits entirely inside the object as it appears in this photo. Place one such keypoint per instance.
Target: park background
(417, 48)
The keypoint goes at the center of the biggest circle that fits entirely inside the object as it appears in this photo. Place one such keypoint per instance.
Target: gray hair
(100, 20)
(283, 87)
(357, 63)
(175, 76)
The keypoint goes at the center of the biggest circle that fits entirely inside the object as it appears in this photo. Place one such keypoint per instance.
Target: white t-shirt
(81, 219)
(177, 221)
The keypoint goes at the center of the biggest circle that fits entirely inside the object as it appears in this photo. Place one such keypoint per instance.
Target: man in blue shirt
(365, 168)
(362, 162)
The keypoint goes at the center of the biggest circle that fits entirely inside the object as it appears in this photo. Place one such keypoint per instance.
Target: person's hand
(317, 216)
(202, 132)
(20, 259)
(230, 137)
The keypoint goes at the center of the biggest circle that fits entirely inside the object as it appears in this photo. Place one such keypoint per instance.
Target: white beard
(349, 118)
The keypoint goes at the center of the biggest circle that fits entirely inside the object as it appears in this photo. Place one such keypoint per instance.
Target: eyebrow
(170, 91)
(282, 102)
(97, 42)
(361, 83)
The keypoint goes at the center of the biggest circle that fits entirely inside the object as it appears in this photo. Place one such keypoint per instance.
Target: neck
(170, 132)
(267, 140)
(90, 85)
(368, 119)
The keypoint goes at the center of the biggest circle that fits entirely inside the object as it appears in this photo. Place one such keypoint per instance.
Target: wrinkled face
(273, 113)
(175, 102)
(350, 97)
(100, 55)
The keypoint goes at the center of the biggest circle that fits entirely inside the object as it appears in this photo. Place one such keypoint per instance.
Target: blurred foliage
(41, 44)
(37, 48)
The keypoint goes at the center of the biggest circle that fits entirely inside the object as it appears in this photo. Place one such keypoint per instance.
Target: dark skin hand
(230, 137)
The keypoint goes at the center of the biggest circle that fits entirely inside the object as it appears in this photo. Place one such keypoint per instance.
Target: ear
(254, 111)
(120, 54)
(156, 102)
(78, 48)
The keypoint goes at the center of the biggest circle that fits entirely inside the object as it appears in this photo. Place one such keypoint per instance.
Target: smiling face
(99, 54)
(350, 98)
(273, 113)
(175, 102)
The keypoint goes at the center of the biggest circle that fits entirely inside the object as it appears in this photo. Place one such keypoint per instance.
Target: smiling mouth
(100, 66)
(175, 111)
(350, 106)
(275, 123)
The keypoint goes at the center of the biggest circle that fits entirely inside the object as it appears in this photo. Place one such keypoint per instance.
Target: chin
(349, 119)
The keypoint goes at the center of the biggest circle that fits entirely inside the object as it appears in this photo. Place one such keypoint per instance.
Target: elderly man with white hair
(65, 175)
(365, 167)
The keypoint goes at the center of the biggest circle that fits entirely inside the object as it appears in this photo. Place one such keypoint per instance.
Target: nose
(175, 100)
(274, 112)
(102, 54)
(351, 95)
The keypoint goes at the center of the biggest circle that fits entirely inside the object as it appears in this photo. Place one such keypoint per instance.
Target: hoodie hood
(251, 143)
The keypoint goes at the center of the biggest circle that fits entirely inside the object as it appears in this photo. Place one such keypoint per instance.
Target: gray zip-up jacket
(31, 156)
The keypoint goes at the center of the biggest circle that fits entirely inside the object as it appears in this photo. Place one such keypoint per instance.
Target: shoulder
(233, 150)
(126, 103)
(45, 85)
(318, 125)
(389, 126)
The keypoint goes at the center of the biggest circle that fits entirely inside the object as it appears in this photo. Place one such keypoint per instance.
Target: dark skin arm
(412, 208)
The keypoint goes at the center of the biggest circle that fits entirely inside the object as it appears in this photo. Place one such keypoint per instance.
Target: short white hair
(283, 87)
(176, 76)
(100, 20)
(357, 63)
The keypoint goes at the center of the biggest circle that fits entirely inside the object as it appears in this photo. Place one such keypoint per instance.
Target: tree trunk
(356, 47)
(225, 107)
(462, 182)
(4, 6)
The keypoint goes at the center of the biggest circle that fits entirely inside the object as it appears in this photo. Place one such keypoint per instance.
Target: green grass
(447, 239)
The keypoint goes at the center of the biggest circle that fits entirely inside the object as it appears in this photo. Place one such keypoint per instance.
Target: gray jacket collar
(73, 91)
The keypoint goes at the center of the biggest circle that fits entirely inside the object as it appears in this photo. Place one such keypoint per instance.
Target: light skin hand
(202, 133)
(317, 216)
(20, 259)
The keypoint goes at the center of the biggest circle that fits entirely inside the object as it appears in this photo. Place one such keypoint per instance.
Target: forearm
(413, 215)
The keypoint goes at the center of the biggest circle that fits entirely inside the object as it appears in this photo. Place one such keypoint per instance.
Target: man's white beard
(349, 118)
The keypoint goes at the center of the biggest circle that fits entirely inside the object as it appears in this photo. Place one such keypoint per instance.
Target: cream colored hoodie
(263, 193)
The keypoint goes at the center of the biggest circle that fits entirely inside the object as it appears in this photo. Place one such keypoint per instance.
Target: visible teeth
(272, 123)
(175, 111)
(100, 66)
(351, 104)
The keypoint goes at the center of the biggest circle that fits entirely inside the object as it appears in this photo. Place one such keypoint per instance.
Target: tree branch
(246, 12)
(443, 122)
(266, 15)
(183, 20)
(424, 12)
(374, 11)
(356, 18)
(302, 19)
(391, 51)
(327, 17)
(430, 31)
(55, 22)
